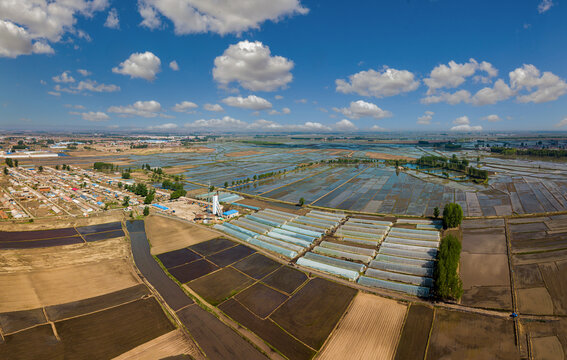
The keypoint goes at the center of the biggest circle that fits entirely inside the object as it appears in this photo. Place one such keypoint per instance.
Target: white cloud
(548, 86)
(388, 82)
(500, 92)
(377, 128)
(94, 116)
(360, 108)
(140, 65)
(40, 22)
(162, 127)
(278, 97)
(492, 118)
(286, 111)
(226, 122)
(220, 16)
(265, 125)
(450, 98)
(345, 125)
(251, 102)
(147, 109)
(80, 107)
(185, 106)
(301, 101)
(562, 122)
(466, 127)
(271, 112)
(309, 125)
(251, 65)
(426, 118)
(213, 107)
(544, 5)
(84, 72)
(174, 66)
(88, 85)
(463, 120)
(443, 76)
(54, 93)
(112, 20)
(63, 78)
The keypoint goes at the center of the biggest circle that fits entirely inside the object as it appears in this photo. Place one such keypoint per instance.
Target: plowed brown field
(370, 330)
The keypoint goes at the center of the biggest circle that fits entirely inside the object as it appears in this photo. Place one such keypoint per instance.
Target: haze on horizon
(283, 66)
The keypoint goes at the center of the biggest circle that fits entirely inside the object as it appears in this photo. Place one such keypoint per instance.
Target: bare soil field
(257, 265)
(528, 276)
(484, 241)
(547, 348)
(53, 223)
(178, 257)
(231, 255)
(167, 234)
(216, 339)
(554, 275)
(51, 257)
(220, 285)
(268, 331)
(260, 299)
(370, 330)
(194, 270)
(312, 313)
(210, 247)
(111, 332)
(168, 345)
(535, 301)
(385, 156)
(415, 335)
(28, 290)
(484, 270)
(36, 343)
(458, 335)
(18, 320)
(286, 279)
(243, 153)
(488, 297)
(482, 223)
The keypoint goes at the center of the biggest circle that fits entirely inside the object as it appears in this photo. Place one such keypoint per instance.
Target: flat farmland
(167, 234)
(220, 285)
(415, 335)
(540, 267)
(166, 346)
(312, 313)
(286, 279)
(111, 332)
(549, 338)
(370, 330)
(261, 300)
(28, 290)
(484, 265)
(458, 335)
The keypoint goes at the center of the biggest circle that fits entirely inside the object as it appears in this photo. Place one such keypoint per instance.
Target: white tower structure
(216, 205)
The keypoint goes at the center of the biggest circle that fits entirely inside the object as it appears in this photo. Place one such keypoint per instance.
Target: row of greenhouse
(280, 232)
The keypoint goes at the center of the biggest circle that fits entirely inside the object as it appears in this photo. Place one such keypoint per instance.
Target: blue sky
(284, 65)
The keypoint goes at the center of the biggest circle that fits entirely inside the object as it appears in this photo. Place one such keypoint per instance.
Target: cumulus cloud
(286, 110)
(360, 108)
(377, 128)
(84, 72)
(140, 65)
(278, 97)
(94, 116)
(450, 98)
(426, 118)
(562, 122)
(112, 20)
(146, 109)
(87, 85)
(454, 74)
(263, 124)
(163, 127)
(64, 77)
(174, 66)
(251, 65)
(221, 16)
(27, 26)
(251, 102)
(492, 118)
(345, 125)
(544, 6)
(388, 82)
(491, 95)
(225, 123)
(546, 87)
(463, 124)
(185, 106)
(466, 128)
(213, 107)
(54, 93)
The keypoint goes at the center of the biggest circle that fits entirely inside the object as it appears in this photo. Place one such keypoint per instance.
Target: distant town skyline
(283, 66)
